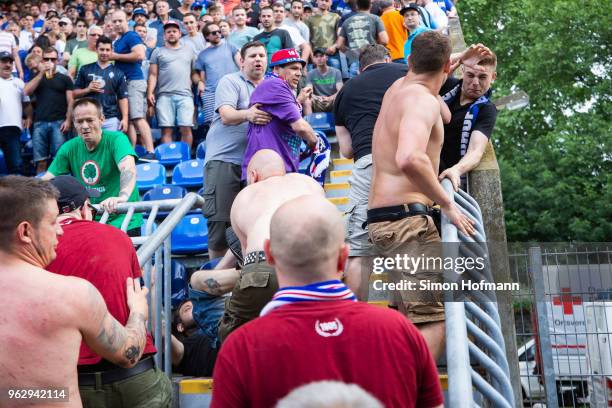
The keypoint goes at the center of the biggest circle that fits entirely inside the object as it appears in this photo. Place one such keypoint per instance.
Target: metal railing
(473, 328)
(155, 250)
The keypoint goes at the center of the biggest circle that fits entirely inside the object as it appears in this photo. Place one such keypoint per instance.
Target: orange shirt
(394, 25)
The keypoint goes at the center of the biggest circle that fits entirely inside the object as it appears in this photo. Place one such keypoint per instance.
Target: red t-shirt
(375, 348)
(103, 255)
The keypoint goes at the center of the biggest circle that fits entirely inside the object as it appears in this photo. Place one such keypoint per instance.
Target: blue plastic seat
(170, 154)
(178, 283)
(201, 151)
(323, 121)
(149, 175)
(190, 236)
(3, 169)
(140, 150)
(164, 192)
(189, 174)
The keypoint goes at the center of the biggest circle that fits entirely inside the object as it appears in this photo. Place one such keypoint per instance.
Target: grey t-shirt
(228, 142)
(216, 62)
(197, 43)
(359, 30)
(324, 85)
(174, 70)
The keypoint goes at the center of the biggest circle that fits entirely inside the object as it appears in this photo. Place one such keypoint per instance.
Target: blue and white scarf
(468, 121)
(315, 292)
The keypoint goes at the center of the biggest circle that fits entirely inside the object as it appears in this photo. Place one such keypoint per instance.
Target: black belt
(116, 374)
(253, 257)
(397, 212)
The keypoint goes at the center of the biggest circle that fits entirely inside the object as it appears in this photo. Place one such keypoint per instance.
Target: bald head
(307, 240)
(265, 163)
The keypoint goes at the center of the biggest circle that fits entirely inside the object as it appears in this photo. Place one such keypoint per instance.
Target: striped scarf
(315, 292)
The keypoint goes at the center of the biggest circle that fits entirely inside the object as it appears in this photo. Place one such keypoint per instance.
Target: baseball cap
(197, 5)
(286, 56)
(307, 5)
(319, 50)
(139, 12)
(65, 20)
(410, 6)
(6, 55)
(72, 193)
(172, 23)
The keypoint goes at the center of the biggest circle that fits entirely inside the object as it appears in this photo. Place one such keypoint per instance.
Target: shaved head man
(45, 316)
(313, 329)
(268, 188)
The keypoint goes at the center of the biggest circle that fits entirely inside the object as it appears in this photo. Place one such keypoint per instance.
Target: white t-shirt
(25, 40)
(295, 35)
(438, 16)
(11, 97)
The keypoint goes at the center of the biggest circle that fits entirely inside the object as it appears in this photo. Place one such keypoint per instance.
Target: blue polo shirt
(411, 37)
(115, 87)
(124, 45)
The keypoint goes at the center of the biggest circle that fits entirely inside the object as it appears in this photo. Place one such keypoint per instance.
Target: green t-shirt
(82, 56)
(98, 169)
(74, 44)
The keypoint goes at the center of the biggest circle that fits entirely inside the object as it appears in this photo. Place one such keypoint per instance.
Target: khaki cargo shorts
(415, 237)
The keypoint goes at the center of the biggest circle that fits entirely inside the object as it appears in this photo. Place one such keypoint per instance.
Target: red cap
(286, 56)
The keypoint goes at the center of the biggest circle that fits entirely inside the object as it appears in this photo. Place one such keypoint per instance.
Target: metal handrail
(153, 245)
(476, 316)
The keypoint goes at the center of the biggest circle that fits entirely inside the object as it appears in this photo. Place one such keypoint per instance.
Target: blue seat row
(188, 174)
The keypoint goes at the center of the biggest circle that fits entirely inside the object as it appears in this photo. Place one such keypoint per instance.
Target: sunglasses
(95, 35)
(214, 32)
(49, 59)
(63, 24)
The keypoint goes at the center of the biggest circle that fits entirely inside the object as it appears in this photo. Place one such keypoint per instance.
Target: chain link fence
(563, 317)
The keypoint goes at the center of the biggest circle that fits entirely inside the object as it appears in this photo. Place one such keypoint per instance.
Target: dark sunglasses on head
(63, 24)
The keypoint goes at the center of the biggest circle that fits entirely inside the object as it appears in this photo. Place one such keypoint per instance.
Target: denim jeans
(47, 139)
(207, 312)
(11, 147)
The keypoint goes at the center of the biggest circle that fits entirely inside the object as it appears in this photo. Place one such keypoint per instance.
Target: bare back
(254, 206)
(405, 122)
(39, 332)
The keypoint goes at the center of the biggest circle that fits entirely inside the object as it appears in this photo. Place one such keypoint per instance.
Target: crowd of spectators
(165, 97)
(83, 82)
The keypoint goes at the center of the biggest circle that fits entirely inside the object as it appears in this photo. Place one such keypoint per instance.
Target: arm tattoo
(213, 286)
(125, 179)
(111, 334)
(132, 353)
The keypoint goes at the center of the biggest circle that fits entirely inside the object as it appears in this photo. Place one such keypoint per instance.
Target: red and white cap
(286, 56)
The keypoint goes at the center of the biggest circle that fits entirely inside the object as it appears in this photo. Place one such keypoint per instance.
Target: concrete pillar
(484, 185)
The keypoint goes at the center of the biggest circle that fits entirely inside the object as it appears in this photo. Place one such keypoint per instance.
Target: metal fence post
(548, 370)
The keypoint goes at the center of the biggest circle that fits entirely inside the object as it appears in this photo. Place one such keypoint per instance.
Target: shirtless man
(269, 187)
(406, 146)
(45, 315)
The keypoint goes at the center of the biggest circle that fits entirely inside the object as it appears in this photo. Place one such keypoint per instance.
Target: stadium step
(336, 189)
(343, 164)
(340, 176)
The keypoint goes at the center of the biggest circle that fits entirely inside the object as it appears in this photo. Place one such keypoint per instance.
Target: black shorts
(222, 185)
